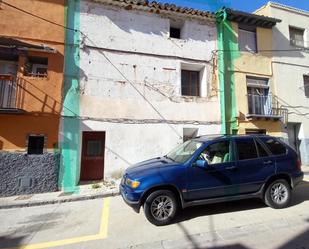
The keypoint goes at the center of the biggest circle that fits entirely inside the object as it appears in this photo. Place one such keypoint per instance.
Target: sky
(244, 5)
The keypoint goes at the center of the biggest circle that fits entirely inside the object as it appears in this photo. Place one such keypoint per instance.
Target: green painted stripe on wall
(227, 53)
(71, 137)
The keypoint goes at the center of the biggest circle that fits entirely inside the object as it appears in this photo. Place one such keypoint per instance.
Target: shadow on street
(299, 195)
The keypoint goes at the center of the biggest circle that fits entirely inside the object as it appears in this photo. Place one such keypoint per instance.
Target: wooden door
(92, 162)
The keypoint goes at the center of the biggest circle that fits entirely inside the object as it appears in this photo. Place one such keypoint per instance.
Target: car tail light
(298, 165)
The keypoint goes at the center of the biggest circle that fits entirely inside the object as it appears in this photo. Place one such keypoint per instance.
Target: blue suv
(212, 169)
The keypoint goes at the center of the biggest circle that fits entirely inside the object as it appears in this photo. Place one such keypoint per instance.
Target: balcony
(265, 107)
(8, 94)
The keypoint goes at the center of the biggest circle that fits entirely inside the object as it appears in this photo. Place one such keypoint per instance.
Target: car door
(215, 180)
(254, 165)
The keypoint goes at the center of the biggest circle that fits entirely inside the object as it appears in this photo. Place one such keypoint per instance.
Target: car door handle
(267, 162)
(231, 168)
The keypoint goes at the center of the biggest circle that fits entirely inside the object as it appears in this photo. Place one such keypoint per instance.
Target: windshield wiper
(169, 158)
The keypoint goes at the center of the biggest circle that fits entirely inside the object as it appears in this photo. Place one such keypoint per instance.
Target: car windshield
(184, 151)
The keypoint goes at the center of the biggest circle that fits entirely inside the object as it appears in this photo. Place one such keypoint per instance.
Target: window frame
(176, 24)
(44, 143)
(251, 30)
(264, 87)
(178, 30)
(236, 149)
(198, 77)
(303, 36)
(269, 150)
(257, 141)
(34, 63)
(231, 151)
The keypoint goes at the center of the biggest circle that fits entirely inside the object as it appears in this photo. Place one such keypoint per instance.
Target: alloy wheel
(162, 207)
(279, 193)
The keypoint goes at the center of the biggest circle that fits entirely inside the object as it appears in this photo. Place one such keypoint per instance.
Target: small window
(175, 33)
(216, 153)
(246, 149)
(274, 146)
(36, 67)
(35, 144)
(296, 37)
(306, 85)
(94, 148)
(247, 39)
(190, 83)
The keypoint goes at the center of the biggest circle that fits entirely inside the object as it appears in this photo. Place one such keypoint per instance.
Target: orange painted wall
(15, 129)
(17, 24)
(41, 98)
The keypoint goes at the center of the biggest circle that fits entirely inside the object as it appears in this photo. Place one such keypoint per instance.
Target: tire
(278, 194)
(160, 207)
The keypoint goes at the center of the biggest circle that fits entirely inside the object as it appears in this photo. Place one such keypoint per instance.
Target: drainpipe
(227, 53)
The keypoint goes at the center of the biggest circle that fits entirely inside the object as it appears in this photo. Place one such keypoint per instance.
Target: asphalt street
(110, 223)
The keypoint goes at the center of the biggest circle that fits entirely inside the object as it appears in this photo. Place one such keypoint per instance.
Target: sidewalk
(85, 192)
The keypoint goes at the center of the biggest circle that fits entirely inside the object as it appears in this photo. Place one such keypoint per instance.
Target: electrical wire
(105, 56)
(76, 30)
(120, 72)
(39, 17)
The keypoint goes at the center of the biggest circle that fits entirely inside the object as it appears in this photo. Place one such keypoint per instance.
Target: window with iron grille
(36, 67)
(306, 85)
(259, 98)
(296, 36)
(190, 83)
(247, 38)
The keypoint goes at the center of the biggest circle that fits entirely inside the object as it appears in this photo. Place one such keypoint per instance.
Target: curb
(57, 201)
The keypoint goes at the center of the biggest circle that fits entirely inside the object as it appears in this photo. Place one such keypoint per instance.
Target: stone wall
(28, 174)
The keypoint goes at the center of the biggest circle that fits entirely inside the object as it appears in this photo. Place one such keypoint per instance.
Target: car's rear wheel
(278, 194)
(160, 207)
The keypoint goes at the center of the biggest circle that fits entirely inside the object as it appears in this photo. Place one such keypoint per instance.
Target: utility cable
(104, 55)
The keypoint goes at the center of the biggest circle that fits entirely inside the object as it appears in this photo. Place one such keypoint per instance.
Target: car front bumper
(127, 197)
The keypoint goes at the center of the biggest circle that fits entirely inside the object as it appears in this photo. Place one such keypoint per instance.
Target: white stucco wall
(131, 81)
(127, 144)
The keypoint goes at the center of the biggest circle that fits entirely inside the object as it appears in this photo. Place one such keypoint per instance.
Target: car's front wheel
(160, 207)
(278, 194)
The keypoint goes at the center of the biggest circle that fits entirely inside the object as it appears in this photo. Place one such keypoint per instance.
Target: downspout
(227, 53)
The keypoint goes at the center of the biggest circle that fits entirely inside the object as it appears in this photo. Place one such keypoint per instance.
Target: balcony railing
(265, 106)
(8, 94)
(7, 91)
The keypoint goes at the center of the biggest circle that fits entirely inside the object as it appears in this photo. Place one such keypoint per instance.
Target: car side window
(246, 149)
(216, 153)
(262, 152)
(275, 147)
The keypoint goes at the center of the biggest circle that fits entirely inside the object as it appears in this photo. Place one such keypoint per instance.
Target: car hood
(149, 166)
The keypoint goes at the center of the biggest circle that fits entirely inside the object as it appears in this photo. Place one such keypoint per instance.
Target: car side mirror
(202, 164)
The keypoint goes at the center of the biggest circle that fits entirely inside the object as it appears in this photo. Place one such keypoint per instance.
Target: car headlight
(132, 183)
